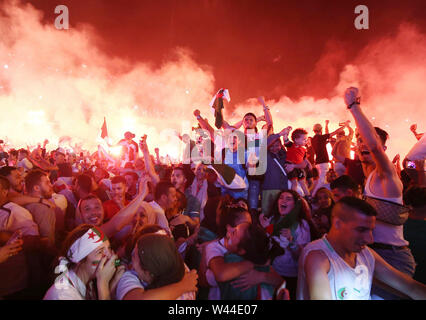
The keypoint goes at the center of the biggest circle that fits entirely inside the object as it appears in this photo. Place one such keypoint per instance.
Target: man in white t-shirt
(340, 266)
(165, 198)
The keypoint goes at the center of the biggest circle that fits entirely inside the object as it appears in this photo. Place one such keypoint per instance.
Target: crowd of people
(251, 212)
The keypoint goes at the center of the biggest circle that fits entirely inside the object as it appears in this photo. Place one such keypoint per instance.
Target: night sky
(268, 48)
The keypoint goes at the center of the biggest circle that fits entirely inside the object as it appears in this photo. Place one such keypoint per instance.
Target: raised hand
(106, 269)
(285, 131)
(264, 221)
(351, 96)
(261, 100)
(197, 113)
(413, 127)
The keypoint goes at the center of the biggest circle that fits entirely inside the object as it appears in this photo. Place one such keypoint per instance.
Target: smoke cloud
(57, 83)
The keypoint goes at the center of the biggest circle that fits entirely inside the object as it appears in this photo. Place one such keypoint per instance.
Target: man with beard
(383, 188)
(92, 212)
(179, 180)
(38, 185)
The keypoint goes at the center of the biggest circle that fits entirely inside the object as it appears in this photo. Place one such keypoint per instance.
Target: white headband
(84, 245)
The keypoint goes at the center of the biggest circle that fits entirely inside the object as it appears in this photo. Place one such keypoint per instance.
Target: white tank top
(384, 232)
(346, 283)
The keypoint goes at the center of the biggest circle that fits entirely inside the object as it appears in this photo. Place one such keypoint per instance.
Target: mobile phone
(411, 165)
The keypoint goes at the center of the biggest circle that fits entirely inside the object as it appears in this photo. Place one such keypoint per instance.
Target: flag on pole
(104, 130)
(217, 105)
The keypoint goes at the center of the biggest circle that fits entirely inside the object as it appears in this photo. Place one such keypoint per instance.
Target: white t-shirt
(68, 286)
(286, 265)
(14, 217)
(214, 249)
(26, 164)
(157, 216)
(346, 283)
(130, 281)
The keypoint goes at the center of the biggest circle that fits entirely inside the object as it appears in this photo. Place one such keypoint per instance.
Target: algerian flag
(227, 176)
(217, 106)
(84, 245)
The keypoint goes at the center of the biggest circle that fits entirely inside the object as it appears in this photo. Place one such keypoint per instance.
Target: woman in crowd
(322, 214)
(87, 267)
(157, 269)
(291, 226)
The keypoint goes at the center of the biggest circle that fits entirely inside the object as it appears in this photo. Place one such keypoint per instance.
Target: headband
(84, 245)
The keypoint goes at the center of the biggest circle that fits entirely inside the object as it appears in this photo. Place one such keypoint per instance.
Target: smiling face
(362, 151)
(178, 179)
(324, 200)
(92, 211)
(286, 203)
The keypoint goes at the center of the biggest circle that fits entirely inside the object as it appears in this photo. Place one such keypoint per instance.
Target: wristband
(266, 107)
(198, 117)
(357, 101)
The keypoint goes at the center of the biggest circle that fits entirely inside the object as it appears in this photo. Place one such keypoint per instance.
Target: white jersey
(346, 283)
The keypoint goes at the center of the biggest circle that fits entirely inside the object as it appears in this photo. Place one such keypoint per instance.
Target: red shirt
(295, 154)
(111, 208)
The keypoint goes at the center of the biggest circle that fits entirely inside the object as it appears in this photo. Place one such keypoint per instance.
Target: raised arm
(43, 164)
(384, 166)
(397, 280)
(316, 269)
(227, 271)
(326, 126)
(413, 129)
(148, 163)
(204, 124)
(168, 292)
(125, 215)
(267, 112)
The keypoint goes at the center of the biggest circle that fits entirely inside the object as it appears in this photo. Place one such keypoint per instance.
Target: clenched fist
(351, 96)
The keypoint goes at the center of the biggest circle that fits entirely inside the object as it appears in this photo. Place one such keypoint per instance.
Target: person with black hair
(344, 186)
(415, 229)
(164, 199)
(296, 156)
(319, 142)
(38, 185)
(158, 271)
(321, 216)
(291, 226)
(384, 190)
(262, 281)
(341, 266)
